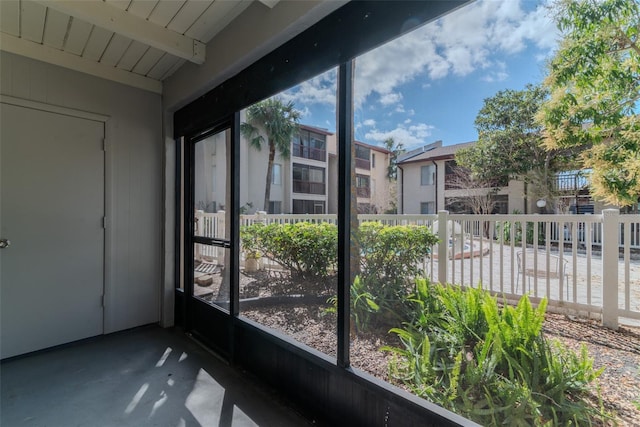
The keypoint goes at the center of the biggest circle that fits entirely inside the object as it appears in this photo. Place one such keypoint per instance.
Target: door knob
(4, 243)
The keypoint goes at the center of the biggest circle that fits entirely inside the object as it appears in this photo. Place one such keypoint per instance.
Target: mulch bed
(618, 352)
(308, 322)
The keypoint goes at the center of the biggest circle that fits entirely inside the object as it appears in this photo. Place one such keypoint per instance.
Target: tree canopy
(509, 142)
(279, 120)
(396, 149)
(594, 81)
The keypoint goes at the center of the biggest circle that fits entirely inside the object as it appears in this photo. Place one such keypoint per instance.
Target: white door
(51, 211)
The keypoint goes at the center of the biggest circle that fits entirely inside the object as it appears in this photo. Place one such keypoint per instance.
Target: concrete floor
(144, 377)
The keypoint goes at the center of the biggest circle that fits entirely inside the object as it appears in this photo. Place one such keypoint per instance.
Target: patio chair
(541, 270)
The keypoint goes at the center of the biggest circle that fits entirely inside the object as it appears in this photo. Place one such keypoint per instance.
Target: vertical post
(443, 246)
(610, 233)
(221, 234)
(261, 217)
(198, 228)
(347, 215)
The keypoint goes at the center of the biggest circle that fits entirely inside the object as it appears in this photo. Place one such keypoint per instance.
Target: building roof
(322, 131)
(433, 152)
(373, 147)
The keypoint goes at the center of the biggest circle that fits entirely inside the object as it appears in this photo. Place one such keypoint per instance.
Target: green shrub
(391, 257)
(491, 364)
(506, 230)
(363, 305)
(309, 250)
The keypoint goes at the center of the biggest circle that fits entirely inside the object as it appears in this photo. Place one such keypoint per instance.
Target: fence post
(220, 233)
(443, 246)
(610, 232)
(261, 216)
(198, 228)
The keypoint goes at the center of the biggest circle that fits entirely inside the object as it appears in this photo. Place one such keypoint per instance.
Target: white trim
(269, 3)
(66, 111)
(109, 232)
(54, 56)
(129, 25)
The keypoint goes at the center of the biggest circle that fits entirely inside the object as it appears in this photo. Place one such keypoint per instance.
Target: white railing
(569, 259)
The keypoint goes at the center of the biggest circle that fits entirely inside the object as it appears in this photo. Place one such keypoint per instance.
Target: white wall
(414, 192)
(134, 180)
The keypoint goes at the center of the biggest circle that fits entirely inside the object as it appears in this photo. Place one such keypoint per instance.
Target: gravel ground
(310, 323)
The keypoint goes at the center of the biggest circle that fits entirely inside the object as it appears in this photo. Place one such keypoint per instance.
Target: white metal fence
(589, 264)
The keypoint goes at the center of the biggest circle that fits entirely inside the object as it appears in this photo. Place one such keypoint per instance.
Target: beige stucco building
(303, 183)
(425, 184)
(374, 190)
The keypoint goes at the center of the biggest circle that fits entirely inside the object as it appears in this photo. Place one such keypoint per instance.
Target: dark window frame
(363, 25)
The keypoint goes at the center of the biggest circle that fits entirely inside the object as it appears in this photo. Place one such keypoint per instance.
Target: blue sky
(430, 84)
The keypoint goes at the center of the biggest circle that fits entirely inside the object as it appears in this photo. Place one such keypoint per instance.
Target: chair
(540, 269)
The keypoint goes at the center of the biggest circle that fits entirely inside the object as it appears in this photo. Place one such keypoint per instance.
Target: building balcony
(305, 152)
(308, 187)
(363, 192)
(363, 164)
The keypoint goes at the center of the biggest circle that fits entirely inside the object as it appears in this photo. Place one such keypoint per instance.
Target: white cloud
(466, 41)
(408, 135)
(318, 90)
(497, 74)
(459, 43)
(390, 98)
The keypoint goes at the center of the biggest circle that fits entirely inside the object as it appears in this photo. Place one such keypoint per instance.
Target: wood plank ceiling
(135, 42)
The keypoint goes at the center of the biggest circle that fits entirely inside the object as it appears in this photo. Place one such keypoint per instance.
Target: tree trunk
(267, 186)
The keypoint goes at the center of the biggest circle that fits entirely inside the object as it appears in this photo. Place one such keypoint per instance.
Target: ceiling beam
(270, 3)
(54, 56)
(119, 21)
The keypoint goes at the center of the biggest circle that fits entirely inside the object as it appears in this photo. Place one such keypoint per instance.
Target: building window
(276, 174)
(308, 207)
(362, 157)
(427, 208)
(310, 145)
(363, 189)
(373, 160)
(308, 179)
(427, 175)
(275, 207)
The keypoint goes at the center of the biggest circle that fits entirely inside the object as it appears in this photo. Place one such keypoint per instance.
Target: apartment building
(298, 183)
(374, 190)
(426, 184)
(428, 181)
(303, 183)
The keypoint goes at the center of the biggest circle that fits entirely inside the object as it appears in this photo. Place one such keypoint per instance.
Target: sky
(429, 84)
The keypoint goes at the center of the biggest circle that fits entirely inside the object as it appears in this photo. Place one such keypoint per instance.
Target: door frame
(108, 189)
(209, 323)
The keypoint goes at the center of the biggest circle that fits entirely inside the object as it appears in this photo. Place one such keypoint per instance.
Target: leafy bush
(363, 305)
(309, 250)
(506, 229)
(489, 363)
(391, 256)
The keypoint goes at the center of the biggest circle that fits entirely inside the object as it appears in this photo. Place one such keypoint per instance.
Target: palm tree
(279, 121)
(396, 150)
